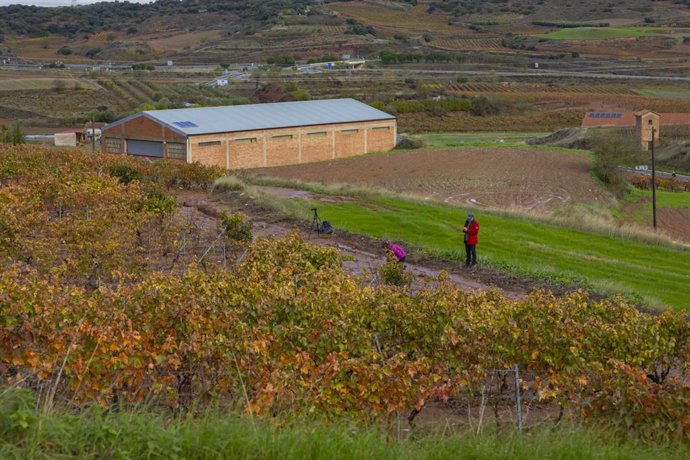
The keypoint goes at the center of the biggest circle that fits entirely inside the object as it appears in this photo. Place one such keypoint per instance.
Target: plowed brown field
(521, 179)
(675, 222)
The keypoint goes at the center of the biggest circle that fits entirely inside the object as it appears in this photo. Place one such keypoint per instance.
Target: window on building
(350, 131)
(177, 151)
(209, 143)
(246, 140)
(381, 128)
(317, 134)
(283, 137)
(113, 145)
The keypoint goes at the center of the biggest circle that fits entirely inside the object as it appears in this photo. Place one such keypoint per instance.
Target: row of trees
(12, 134)
(391, 57)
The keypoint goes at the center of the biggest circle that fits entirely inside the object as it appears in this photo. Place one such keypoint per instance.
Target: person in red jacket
(471, 230)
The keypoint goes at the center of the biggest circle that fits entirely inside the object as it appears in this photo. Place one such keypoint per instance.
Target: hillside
(214, 31)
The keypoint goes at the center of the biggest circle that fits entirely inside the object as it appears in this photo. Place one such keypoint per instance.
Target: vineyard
(102, 300)
(541, 88)
(132, 93)
(401, 18)
(421, 122)
(469, 44)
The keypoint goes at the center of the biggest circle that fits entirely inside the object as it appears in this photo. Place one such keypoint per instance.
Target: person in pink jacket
(397, 251)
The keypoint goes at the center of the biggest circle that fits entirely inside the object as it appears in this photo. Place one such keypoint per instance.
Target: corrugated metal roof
(206, 120)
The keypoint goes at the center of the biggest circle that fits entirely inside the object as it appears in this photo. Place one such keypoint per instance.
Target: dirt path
(363, 254)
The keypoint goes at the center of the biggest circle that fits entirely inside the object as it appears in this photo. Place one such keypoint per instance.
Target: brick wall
(142, 128)
(277, 147)
(379, 138)
(350, 142)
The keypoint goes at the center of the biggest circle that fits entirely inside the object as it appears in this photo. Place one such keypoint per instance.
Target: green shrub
(409, 143)
(17, 413)
(612, 150)
(12, 135)
(237, 227)
(228, 184)
(393, 272)
(125, 173)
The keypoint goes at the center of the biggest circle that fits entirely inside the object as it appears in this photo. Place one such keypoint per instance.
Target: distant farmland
(29, 84)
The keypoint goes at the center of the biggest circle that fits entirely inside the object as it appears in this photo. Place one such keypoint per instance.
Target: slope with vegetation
(110, 297)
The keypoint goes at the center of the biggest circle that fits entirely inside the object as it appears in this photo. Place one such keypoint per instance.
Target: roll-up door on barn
(145, 148)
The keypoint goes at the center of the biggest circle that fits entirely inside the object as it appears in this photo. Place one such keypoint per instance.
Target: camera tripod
(315, 221)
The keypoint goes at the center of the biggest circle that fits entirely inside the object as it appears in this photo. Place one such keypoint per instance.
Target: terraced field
(392, 18)
(469, 44)
(521, 88)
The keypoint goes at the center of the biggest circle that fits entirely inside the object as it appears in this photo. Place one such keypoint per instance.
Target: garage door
(145, 148)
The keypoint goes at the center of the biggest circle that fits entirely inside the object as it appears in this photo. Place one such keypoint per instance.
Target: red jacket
(471, 237)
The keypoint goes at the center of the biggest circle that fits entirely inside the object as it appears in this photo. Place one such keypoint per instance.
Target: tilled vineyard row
(539, 88)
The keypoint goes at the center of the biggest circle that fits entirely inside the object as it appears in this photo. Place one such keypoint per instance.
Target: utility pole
(653, 177)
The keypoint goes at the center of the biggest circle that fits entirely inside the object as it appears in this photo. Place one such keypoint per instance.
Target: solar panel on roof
(185, 124)
(606, 115)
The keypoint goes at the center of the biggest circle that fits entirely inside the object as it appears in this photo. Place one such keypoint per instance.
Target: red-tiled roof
(627, 120)
(591, 120)
(675, 118)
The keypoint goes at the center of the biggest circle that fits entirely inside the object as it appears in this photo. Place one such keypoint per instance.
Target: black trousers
(471, 251)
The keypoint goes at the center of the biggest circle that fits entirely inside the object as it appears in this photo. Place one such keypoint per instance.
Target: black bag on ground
(326, 228)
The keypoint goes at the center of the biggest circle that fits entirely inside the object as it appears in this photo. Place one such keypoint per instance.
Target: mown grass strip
(649, 272)
(605, 33)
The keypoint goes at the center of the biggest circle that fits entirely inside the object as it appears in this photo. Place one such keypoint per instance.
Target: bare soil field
(675, 222)
(521, 179)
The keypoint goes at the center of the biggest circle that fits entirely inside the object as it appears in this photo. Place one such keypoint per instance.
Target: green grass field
(604, 33)
(666, 93)
(477, 139)
(28, 432)
(650, 272)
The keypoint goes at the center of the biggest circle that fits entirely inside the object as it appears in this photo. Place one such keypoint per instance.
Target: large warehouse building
(257, 135)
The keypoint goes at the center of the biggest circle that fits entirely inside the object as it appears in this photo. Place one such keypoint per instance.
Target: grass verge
(30, 433)
(646, 269)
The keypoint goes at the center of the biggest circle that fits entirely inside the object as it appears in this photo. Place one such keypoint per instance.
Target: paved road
(533, 73)
(682, 177)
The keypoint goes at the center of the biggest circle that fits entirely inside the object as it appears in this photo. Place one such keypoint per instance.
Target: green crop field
(669, 93)
(654, 274)
(604, 33)
(478, 139)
